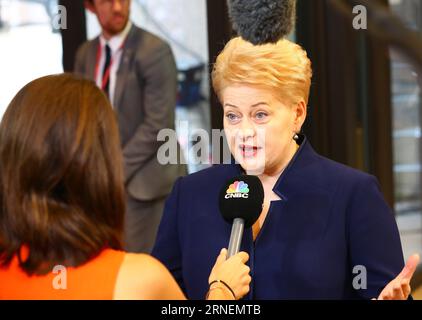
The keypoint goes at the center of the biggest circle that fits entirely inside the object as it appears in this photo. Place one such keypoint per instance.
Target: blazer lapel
(124, 67)
(299, 173)
(92, 59)
(121, 76)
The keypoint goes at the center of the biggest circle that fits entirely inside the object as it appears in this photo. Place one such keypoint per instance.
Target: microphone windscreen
(262, 21)
(242, 197)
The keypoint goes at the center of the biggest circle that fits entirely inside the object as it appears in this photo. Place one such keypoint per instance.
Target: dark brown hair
(61, 182)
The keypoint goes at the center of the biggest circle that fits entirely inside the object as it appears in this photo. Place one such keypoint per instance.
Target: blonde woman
(322, 223)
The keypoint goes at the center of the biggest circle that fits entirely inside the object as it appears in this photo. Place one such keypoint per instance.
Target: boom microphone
(241, 200)
(262, 21)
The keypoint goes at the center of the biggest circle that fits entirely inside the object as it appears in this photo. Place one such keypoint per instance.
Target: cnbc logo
(237, 189)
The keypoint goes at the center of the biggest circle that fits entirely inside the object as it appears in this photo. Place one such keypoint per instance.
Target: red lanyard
(106, 75)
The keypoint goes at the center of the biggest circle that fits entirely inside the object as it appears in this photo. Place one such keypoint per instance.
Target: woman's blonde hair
(282, 67)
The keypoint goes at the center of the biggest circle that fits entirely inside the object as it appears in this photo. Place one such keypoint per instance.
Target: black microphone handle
(236, 237)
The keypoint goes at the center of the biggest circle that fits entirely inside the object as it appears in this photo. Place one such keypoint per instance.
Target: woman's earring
(296, 137)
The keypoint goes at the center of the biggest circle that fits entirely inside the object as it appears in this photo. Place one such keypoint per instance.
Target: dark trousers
(141, 224)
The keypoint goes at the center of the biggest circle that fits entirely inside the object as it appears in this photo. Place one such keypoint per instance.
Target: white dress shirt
(115, 43)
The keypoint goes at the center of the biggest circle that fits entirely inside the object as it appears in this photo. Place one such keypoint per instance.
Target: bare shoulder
(143, 277)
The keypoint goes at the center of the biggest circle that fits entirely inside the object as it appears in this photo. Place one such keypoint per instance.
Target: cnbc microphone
(240, 202)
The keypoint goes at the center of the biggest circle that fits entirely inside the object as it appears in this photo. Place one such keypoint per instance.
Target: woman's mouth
(248, 151)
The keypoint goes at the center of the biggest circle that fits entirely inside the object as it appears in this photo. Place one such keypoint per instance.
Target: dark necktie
(106, 67)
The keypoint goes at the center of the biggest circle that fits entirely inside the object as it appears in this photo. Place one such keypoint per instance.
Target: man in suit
(137, 71)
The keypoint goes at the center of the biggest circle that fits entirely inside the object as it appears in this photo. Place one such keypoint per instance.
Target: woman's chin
(252, 163)
(252, 166)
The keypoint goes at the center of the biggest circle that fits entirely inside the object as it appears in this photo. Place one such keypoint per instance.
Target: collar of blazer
(124, 67)
(302, 174)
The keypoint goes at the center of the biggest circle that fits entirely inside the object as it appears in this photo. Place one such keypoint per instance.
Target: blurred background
(365, 106)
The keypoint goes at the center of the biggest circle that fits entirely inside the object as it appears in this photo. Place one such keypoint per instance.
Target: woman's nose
(246, 130)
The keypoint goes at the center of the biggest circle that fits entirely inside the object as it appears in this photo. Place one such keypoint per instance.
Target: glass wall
(406, 123)
(30, 45)
(183, 24)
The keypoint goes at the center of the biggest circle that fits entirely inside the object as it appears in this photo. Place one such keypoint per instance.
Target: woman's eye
(261, 115)
(231, 117)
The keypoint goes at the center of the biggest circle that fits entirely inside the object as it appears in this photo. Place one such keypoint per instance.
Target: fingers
(405, 286)
(244, 257)
(385, 296)
(410, 267)
(248, 280)
(397, 293)
(245, 287)
(233, 271)
(399, 288)
(247, 271)
(221, 257)
(244, 271)
(244, 291)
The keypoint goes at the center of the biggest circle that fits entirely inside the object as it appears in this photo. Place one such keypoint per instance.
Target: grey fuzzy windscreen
(262, 21)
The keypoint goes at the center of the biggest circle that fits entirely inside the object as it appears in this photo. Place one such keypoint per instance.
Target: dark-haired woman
(62, 204)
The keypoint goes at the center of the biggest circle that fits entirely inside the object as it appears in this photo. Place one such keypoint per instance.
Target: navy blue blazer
(330, 227)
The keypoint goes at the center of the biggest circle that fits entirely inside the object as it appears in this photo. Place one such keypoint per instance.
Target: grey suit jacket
(144, 102)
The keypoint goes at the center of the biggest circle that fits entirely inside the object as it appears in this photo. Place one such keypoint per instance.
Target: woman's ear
(300, 114)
